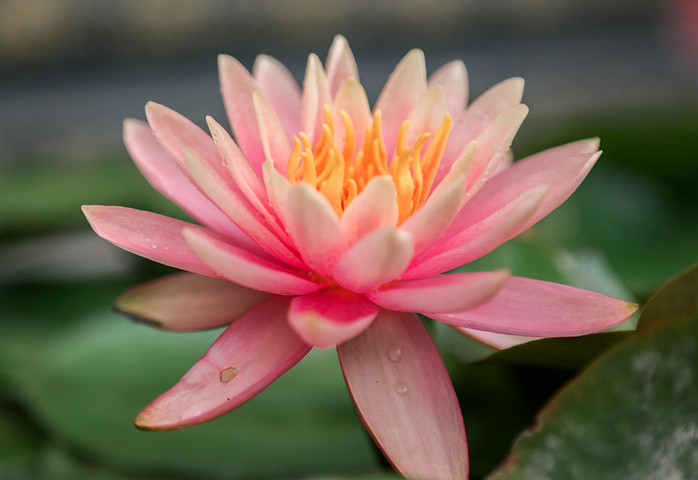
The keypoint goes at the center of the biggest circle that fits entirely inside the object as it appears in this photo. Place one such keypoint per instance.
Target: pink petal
(316, 94)
(340, 64)
(405, 398)
(499, 341)
(237, 86)
(351, 98)
(279, 87)
(402, 91)
(146, 234)
(325, 319)
(314, 228)
(430, 222)
(460, 169)
(362, 217)
(427, 115)
(268, 235)
(481, 238)
(453, 78)
(167, 177)
(251, 353)
(377, 258)
(274, 138)
(455, 292)
(542, 309)
(247, 269)
(184, 301)
(277, 187)
(479, 114)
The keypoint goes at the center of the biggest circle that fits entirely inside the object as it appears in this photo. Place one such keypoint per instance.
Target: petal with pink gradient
(281, 90)
(405, 399)
(340, 64)
(461, 168)
(330, 317)
(499, 341)
(453, 78)
(377, 258)
(542, 309)
(427, 115)
(351, 98)
(244, 268)
(316, 94)
(167, 177)
(362, 217)
(465, 246)
(454, 292)
(237, 86)
(314, 228)
(402, 91)
(249, 355)
(184, 301)
(149, 235)
(274, 140)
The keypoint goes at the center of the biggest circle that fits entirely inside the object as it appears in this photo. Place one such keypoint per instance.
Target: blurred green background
(73, 374)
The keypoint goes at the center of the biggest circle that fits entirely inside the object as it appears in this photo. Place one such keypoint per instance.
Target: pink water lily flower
(327, 224)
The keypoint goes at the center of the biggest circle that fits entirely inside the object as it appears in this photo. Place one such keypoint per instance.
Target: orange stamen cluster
(341, 175)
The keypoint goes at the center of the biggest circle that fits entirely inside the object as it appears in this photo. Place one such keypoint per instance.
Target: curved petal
(268, 235)
(314, 228)
(542, 309)
(427, 115)
(378, 258)
(328, 318)
(237, 86)
(249, 355)
(167, 177)
(453, 78)
(479, 239)
(405, 399)
(271, 131)
(184, 301)
(316, 94)
(281, 90)
(146, 234)
(340, 64)
(402, 91)
(499, 341)
(244, 268)
(363, 215)
(351, 98)
(477, 116)
(455, 292)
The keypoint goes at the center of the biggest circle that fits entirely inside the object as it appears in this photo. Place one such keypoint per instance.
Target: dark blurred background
(72, 374)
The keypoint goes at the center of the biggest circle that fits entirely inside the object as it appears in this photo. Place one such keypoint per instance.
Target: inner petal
(342, 174)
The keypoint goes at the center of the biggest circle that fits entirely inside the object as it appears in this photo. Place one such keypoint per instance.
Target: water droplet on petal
(228, 374)
(395, 353)
(154, 245)
(401, 388)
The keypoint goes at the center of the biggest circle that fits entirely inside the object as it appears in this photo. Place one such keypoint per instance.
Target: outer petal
(479, 239)
(325, 319)
(237, 86)
(167, 177)
(542, 309)
(281, 90)
(187, 302)
(242, 267)
(453, 78)
(147, 234)
(456, 292)
(404, 88)
(362, 215)
(497, 340)
(314, 228)
(316, 94)
(274, 139)
(405, 398)
(250, 354)
(340, 64)
(378, 258)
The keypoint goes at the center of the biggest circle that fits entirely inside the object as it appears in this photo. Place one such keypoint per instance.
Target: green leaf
(677, 298)
(631, 416)
(88, 384)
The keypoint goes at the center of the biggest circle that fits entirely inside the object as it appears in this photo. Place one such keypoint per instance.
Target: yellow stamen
(341, 175)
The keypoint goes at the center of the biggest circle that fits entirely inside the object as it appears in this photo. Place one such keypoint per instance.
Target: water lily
(325, 223)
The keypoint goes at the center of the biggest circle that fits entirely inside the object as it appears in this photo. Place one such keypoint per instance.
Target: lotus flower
(327, 224)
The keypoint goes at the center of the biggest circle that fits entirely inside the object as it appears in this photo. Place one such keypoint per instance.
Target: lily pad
(677, 298)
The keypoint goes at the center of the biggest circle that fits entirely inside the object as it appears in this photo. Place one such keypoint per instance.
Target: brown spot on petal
(228, 374)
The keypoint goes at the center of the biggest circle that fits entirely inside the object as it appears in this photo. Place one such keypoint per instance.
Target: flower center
(340, 175)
